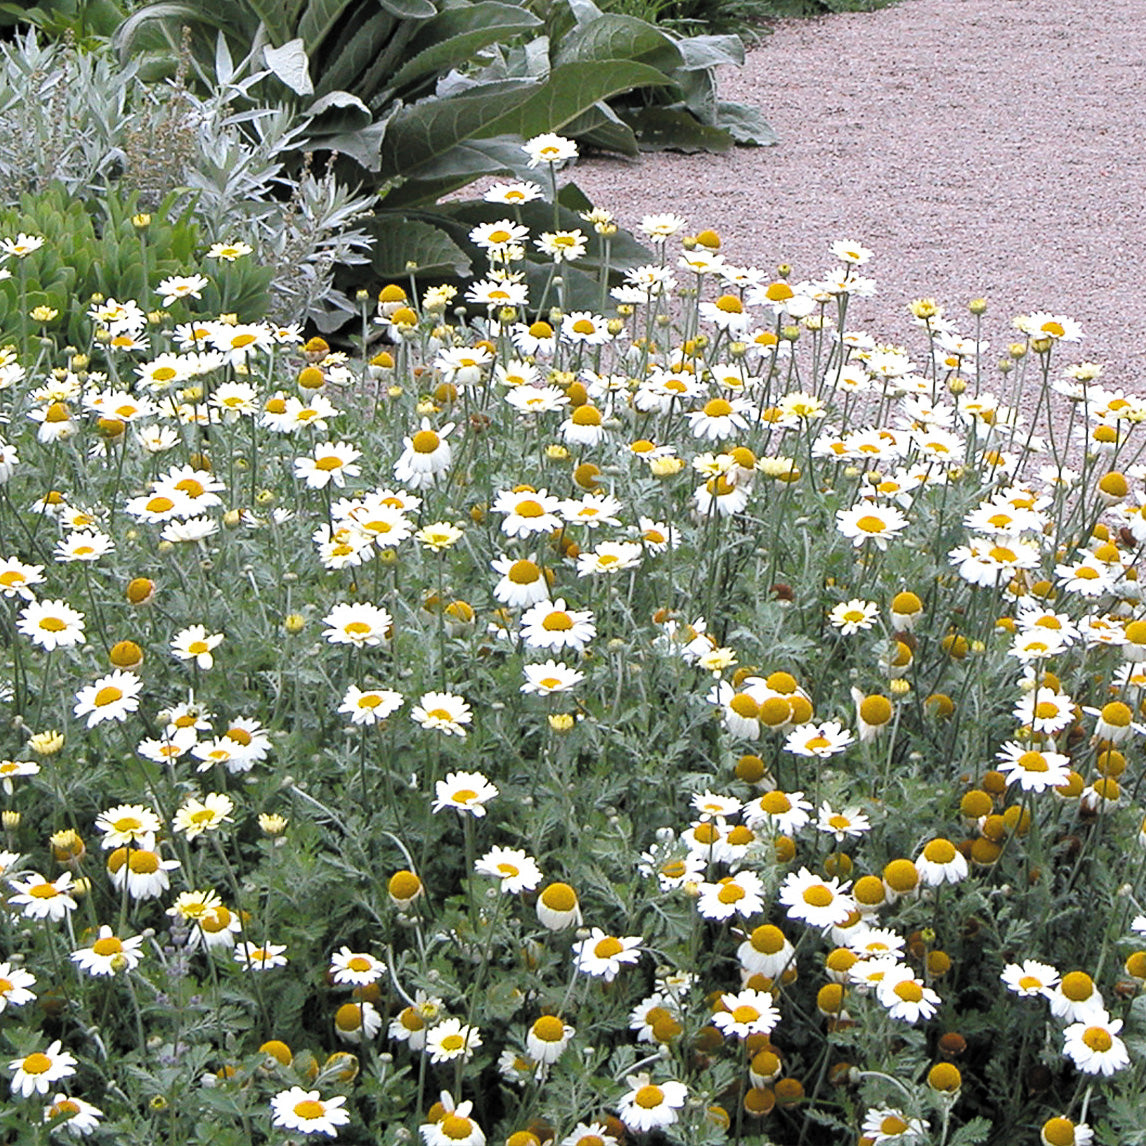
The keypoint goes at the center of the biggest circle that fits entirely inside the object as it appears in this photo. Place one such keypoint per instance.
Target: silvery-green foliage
(302, 223)
(86, 121)
(64, 116)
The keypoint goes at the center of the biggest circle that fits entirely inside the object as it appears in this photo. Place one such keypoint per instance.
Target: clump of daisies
(634, 690)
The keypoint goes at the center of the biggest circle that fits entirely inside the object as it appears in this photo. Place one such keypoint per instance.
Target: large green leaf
(614, 37)
(427, 129)
(601, 127)
(275, 16)
(697, 88)
(341, 66)
(502, 155)
(457, 35)
(410, 9)
(675, 129)
(169, 14)
(362, 144)
(401, 241)
(570, 90)
(290, 64)
(711, 51)
(457, 168)
(374, 85)
(745, 124)
(319, 20)
(342, 108)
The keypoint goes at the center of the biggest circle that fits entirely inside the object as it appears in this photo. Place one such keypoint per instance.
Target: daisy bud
(900, 877)
(789, 1091)
(46, 743)
(1114, 722)
(1064, 1132)
(548, 1038)
(558, 907)
(404, 887)
(125, 655)
(277, 1050)
(873, 713)
(67, 846)
(272, 824)
(341, 1065)
(140, 590)
(944, 1077)
(759, 1100)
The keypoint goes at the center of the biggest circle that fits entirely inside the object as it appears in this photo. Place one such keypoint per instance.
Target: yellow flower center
(309, 1110)
(775, 803)
(1077, 986)
(37, 1063)
(559, 897)
(818, 895)
(1098, 1039)
(608, 947)
(425, 442)
(557, 622)
(745, 706)
(549, 1029)
(649, 1097)
(455, 1128)
(586, 416)
(109, 694)
(107, 946)
(730, 892)
(939, 851)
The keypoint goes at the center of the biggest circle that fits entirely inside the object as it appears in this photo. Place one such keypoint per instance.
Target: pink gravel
(989, 148)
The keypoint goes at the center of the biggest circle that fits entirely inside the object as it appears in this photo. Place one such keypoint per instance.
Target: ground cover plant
(689, 717)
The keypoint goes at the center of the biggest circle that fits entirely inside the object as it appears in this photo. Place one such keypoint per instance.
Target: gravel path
(980, 147)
